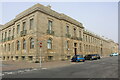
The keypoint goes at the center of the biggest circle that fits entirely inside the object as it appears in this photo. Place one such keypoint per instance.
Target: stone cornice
(88, 33)
(46, 10)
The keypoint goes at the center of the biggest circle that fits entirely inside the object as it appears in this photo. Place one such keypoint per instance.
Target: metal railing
(23, 33)
(50, 32)
(68, 35)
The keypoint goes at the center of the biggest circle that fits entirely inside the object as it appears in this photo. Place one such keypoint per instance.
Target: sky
(98, 17)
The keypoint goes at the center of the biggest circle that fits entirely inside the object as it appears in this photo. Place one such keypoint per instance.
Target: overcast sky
(98, 17)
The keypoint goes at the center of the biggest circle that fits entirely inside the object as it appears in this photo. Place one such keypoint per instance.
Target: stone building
(60, 35)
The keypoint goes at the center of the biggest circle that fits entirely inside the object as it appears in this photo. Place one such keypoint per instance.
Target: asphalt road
(103, 68)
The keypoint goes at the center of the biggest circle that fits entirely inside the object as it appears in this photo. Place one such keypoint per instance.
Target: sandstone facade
(61, 37)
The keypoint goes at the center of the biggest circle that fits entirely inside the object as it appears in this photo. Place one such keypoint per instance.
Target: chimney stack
(49, 6)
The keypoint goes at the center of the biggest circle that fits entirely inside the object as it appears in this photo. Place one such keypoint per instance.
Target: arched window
(31, 43)
(13, 46)
(67, 29)
(80, 47)
(75, 32)
(18, 45)
(24, 44)
(67, 44)
(49, 44)
(8, 47)
(5, 47)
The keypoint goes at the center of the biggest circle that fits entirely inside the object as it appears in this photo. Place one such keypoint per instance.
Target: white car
(114, 54)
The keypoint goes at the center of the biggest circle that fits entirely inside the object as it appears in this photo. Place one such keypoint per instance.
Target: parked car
(78, 58)
(98, 56)
(114, 54)
(92, 57)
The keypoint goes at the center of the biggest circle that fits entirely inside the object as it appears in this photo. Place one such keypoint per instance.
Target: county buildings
(60, 36)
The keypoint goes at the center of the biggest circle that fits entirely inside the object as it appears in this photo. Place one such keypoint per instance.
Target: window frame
(31, 24)
(24, 44)
(49, 44)
(18, 45)
(32, 45)
(18, 28)
(50, 24)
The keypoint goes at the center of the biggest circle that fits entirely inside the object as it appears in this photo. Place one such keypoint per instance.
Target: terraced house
(60, 35)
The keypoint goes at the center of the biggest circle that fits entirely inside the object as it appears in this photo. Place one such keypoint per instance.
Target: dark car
(92, 57)
(98, 56)
(78, 58)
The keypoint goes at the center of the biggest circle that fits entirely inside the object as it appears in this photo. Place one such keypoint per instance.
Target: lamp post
(40, 54)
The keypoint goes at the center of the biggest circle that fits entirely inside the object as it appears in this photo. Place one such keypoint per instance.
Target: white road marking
(20, 71)
(34, 69)
(10, 73)
(44, 68)
(27, 70)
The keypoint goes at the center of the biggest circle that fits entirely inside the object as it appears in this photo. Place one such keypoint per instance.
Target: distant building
(60, 35)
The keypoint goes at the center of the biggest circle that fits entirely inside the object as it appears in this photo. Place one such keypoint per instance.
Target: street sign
(40, 44)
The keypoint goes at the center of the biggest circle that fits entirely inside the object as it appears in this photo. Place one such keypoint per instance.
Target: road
(103, 68)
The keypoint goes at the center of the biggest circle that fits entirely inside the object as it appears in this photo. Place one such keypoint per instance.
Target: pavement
(103, 68)
(16, 65)
(8, 67)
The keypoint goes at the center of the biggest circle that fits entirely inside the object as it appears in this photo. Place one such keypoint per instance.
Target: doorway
(75, 51)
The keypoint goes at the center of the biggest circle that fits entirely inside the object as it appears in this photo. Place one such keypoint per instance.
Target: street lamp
(40, 54)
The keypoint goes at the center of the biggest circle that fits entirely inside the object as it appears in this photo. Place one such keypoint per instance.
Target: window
(9, 32)
(89, 49)
(18, 29)
(49, 44)
(2, 36)
(30, 58)
(80, 47)
(31, 43)
(75, 44)
(86, 38)
(18, 45)
(5, 47)
(80, 34)
(50, 57)
(5, 34)
(31, 23)
(24, 44)
(49, 25)
(13, 31)
(13, 46)
(67, 44)
(67, 29)
(74, 32)
(24, 26)
(86, 48)
(8, 47)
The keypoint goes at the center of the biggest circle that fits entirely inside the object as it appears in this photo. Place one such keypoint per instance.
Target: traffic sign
(40, 44)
